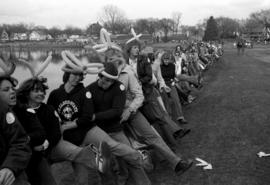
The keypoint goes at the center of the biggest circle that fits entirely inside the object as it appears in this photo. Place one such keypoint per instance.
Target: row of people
(76, 119)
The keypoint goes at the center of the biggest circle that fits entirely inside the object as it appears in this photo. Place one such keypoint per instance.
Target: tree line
(115, 20)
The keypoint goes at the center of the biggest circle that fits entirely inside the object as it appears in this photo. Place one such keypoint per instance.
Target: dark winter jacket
(49, 119)
(31, 124)
(14, 143)
(109, 105)
(75, 105)
(168, 73)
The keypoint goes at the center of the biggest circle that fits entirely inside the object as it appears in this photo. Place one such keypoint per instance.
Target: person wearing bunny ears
(74, 104)
(31, 93)
(132, 117)
(14, 142)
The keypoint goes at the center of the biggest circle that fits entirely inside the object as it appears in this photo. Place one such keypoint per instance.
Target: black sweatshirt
(50, 122)
(75, 105)
(168, 73)
(31, 124)
(108, 105)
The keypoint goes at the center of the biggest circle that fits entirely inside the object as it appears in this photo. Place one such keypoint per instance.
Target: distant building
(19, 36)
(4, 36)
(37, 36)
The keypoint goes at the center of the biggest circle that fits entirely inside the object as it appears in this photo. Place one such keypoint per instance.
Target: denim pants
(173, 104)
(144, 130)
(120, 147)
(21, 180)
(83, 161)
(39, 171)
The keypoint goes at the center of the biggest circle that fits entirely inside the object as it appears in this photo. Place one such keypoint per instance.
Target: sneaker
(182, 121)
(181, 133)
(182, 166)
(103, 157)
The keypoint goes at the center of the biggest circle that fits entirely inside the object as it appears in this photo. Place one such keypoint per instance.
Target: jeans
(120, 147)
(173, 104)
(21, 180)
(144, 130)
(82, 158)
(39, 171)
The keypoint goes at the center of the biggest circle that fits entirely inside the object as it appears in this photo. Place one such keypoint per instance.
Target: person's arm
(146, 79)
(54, 131)
(85, 117)
(19, 152)
(136, 90)
(119, 100)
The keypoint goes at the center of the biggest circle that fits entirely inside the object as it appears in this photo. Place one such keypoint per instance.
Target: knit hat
(110, 71)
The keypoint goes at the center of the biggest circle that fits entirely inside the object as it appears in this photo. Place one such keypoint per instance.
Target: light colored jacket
(135, 96)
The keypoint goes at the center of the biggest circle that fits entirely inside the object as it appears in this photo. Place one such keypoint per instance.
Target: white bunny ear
(69, 62)
(44, 65)
(133, 32)
(74, 58)
(3, 66)
(94, 71)
(32, 71)
(104, 36)
(96, 65)
(12, 69)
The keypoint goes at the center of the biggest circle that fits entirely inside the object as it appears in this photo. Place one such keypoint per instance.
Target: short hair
(27, 86)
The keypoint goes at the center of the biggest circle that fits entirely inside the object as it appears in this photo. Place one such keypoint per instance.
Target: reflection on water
(53, 72)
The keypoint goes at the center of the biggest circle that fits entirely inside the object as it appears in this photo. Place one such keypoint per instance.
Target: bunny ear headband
(7, 70)
(44, 65)
(74, 65)
(135, 36)
(106, 42)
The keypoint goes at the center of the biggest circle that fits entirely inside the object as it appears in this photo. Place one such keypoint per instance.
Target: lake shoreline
(40, 44)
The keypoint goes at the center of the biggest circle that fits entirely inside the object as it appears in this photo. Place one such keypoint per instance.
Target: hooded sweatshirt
(75, 105)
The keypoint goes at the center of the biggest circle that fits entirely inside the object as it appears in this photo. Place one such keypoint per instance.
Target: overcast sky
(82, 12)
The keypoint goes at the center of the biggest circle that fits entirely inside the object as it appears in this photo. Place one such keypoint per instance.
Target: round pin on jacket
(88, 95)
(10, 118)
(122, 87)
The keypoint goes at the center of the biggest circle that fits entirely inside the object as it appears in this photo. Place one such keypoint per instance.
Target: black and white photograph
(146, 92)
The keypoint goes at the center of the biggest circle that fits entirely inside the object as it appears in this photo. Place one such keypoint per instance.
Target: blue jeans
(120, 147)
(21, 180)
(82, 158)
(144, 130)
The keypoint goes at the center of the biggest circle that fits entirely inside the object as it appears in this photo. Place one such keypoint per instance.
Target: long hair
(12, 80)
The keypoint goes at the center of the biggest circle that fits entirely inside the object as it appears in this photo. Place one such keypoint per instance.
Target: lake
(53, 72)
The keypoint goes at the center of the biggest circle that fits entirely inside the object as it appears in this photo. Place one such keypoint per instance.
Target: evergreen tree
(211, 32)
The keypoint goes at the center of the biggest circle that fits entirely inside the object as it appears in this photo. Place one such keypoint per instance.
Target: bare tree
(176, 17)
(166, 25)
(112, 16)
(263, 17)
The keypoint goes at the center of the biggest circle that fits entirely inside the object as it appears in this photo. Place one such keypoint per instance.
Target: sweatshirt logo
(67, 109)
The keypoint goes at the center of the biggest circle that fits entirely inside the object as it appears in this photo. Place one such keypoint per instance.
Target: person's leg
(138, 175)
(131, 156)
(83, 159)
(178, 112)
(21, 180)
(143, 129)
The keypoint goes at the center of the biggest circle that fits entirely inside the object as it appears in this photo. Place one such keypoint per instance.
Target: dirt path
(230, 123)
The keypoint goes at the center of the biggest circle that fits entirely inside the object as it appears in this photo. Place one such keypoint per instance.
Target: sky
(81, 13)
